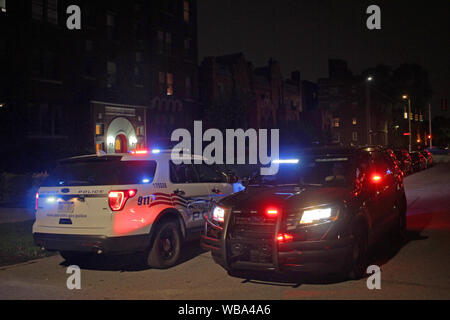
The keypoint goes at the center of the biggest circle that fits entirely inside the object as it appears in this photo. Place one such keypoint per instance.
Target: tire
(166, 247)
(359, 253)
(76, 257)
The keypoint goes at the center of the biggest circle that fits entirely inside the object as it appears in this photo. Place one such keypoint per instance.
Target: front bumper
(91, 243)
(299, 256)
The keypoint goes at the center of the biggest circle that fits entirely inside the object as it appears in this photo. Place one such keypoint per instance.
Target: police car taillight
(117, 199)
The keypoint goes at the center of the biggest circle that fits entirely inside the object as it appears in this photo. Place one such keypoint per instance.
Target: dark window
(101, 171)
(208, 173)
(182, 173)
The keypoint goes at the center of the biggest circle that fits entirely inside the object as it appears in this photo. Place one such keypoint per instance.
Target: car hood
(287, 198)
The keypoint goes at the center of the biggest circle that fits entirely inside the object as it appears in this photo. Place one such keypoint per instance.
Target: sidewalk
(8, 215)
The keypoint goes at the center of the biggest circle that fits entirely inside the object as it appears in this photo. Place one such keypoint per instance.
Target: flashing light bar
(139, 152)
(292, 161)
(156, 151)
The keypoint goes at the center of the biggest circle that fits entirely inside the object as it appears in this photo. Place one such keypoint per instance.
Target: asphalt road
(420, 269)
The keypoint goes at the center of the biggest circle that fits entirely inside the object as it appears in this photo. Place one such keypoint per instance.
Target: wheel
(76, 256)
(166, 247)
(359, 252)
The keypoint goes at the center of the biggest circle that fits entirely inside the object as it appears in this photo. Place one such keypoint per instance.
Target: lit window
(336, 122)
(187, 12)
(355, 136)
(354, 121)
(99, 147)
(169, 83)
(3, 5)
(99, 129)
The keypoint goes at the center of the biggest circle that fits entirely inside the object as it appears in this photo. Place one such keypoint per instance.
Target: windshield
(320, 171)
(101, 172)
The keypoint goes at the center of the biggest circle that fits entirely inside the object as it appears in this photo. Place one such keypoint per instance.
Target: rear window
(100, 172)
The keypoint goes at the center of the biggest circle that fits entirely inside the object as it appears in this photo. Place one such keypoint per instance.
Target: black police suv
(319, 213)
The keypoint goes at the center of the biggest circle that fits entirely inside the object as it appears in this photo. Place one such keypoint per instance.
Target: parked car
(395, 162)
(419, 162)
(405, 160)
(320, 213)
(427, 154)
(142, 202)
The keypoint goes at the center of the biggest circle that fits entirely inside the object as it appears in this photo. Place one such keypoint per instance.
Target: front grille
(250, 237)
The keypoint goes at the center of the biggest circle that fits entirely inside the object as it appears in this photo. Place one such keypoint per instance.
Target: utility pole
(429, 125)
(409, 119)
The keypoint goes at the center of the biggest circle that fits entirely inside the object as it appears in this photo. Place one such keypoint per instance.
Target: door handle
(179, 192)
(217, 191)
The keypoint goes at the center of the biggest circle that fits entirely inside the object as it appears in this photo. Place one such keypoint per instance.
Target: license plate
(66, 207)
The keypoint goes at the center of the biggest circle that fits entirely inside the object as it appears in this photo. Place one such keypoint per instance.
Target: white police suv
(139, 202)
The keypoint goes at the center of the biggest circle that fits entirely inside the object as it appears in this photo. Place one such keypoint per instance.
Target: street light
(368, 120)
(405, 97)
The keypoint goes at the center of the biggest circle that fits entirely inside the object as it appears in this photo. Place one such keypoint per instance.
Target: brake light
(271, 212)
(36, 202)
(376, 178)
(117, 199)
(284, 237)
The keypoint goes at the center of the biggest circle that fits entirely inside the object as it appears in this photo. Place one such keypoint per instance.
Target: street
(420, 269)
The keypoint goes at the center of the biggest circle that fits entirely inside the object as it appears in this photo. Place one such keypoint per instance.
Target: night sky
(303, 35)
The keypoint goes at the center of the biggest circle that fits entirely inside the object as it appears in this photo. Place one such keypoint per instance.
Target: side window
(208, 173)
(182, 173)
(383, 162)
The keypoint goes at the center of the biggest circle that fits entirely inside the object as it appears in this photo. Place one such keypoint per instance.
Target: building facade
(123, 81)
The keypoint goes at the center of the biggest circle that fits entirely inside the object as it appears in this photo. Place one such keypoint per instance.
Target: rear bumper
(91, 243)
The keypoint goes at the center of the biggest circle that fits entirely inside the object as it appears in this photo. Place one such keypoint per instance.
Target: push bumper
(300, 256)
(88, 243)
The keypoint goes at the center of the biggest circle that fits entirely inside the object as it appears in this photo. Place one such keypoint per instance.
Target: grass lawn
(16, 243)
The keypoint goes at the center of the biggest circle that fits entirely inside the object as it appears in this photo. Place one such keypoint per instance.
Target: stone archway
(120, 134)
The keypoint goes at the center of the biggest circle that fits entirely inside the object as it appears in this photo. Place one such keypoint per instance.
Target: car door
(190, 196)
(215, 179)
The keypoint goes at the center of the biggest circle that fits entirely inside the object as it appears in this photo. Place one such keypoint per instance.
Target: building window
(37, 9)
(138, 56)
(140, 131)
(186, 11)
(188, 46)
(52, 11)
(164, 42)
(99, 147)
(111, 74)
(3, 5)
(354, 121)
(110, 25)
(355, 136)
(336, 123)
(99, 129)
(46, 10)
(169, 82)
(89, 45)
(188, 87)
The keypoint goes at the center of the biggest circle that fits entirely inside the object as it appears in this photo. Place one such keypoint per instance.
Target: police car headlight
(218, 213)
(319, 215)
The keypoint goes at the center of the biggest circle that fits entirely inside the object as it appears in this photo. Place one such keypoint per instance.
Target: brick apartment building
(122, 82)
(269, 100)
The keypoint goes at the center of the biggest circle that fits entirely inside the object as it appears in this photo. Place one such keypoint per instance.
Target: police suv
(138, 202)
(319, 213)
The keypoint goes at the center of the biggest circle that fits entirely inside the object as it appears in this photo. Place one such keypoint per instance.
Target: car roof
(165, 154)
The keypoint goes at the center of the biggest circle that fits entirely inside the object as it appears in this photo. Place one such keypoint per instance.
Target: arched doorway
(120, 144)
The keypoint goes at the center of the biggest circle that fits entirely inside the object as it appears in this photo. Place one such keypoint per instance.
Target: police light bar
(293, 161)
(139, 151)
(156, 151)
